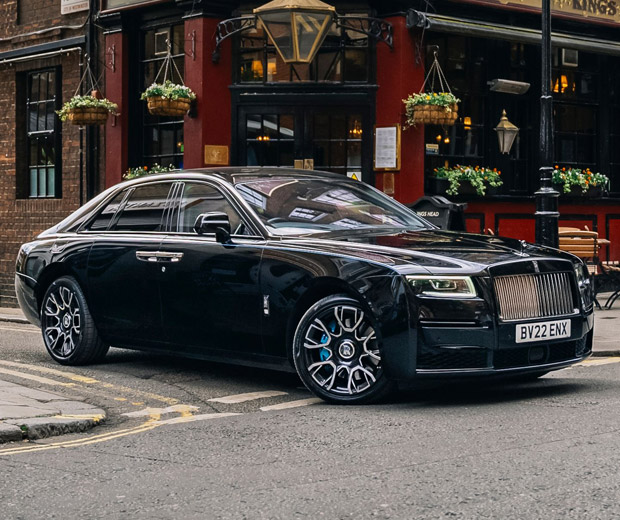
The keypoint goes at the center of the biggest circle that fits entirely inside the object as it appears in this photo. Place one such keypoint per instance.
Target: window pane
(145, 208)
(51, 185)
(105, 217)
(42, 182)
(201, 198)
(33, 183)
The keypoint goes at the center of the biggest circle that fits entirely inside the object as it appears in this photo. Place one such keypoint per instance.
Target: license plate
(528, 332)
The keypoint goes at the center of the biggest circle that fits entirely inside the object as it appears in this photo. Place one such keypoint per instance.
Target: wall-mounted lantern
(506, 133)
(297, 28)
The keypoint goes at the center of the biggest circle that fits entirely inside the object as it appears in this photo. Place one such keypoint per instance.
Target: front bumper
(25, 289)
(492, 350)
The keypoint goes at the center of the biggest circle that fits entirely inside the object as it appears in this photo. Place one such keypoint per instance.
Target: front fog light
(443, 286)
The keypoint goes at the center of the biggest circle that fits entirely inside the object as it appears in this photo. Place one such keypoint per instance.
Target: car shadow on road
(491, 392)
(148, 365)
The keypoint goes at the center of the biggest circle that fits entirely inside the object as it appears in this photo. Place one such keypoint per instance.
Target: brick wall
(22, 219)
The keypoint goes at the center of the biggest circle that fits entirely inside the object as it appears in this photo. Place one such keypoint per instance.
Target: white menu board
(387, 147)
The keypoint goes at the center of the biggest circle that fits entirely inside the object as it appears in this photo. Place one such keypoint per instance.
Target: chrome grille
(524, 296)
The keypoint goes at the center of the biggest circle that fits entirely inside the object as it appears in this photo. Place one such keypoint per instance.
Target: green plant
(141, 171)
(87, 101)
(441, 99)
(585, 179)
(478, 177)
(168, 90)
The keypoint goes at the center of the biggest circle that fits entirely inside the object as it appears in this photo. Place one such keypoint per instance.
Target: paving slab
(28, 413)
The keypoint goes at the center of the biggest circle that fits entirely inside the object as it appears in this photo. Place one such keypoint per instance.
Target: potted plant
(460, 178)
(431, 108)
(578, 182)
(90, 109)
(168, 98)
(141, 171)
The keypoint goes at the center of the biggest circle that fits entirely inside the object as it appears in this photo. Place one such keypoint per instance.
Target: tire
(336, 353)
(68, 329)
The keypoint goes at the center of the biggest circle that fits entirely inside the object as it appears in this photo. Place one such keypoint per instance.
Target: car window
(289, 205)
(102, 221)
(201, 198)
(144, 209)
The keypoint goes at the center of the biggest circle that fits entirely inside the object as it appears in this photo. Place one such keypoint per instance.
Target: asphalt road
(547, 449)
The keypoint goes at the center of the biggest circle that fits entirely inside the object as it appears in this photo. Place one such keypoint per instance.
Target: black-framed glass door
(327, 138)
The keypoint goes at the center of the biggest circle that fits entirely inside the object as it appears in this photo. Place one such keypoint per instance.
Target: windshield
(289, 205)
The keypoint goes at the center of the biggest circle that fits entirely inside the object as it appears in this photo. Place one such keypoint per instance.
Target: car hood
(429, 250)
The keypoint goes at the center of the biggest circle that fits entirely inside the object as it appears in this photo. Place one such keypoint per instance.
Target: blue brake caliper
(324, 353)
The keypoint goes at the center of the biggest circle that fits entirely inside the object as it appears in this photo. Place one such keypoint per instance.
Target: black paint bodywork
(241, 301)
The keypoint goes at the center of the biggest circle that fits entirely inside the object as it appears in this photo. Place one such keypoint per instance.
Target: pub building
(255, 108)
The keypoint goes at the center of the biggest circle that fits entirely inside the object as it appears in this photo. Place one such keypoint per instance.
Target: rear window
(144, 209)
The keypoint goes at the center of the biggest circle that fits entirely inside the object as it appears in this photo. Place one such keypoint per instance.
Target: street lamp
(547, 214)
(506, 133)
(296, 28)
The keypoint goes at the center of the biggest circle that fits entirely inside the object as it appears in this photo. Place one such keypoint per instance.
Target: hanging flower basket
(161, 106)
(87, 110)
(430, 107)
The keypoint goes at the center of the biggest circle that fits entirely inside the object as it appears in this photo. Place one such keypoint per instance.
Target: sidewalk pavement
(33, 414)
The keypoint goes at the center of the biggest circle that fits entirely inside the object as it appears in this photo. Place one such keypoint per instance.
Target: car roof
(233, 174)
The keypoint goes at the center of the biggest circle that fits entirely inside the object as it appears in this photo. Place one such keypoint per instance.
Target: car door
(123, 267)
(210, 291)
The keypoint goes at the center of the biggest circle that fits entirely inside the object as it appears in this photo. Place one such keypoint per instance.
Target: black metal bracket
(227, 28)
(376, 28)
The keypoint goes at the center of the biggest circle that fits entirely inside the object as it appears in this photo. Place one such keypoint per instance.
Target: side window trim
(120, 209)
(172, 207)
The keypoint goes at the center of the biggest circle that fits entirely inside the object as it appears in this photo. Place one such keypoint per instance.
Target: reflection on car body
(299, 270)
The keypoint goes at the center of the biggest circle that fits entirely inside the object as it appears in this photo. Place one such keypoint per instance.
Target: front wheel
(68, 329)
(336, 352)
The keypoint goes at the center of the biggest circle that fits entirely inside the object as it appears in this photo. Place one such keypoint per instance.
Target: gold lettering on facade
(596, 10)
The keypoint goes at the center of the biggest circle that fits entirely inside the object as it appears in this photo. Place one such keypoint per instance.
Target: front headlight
(443, 286)
(581, 273)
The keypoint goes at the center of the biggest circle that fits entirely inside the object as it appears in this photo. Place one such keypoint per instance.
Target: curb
(13, 319)
(42, 427)
(606, 353)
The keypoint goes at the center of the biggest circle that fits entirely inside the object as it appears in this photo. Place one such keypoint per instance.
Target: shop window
(342, 58)
(42, 133)
(576, 110)
(162, 137)
(270, 139)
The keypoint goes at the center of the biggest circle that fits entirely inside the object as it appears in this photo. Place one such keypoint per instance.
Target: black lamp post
(547, 214)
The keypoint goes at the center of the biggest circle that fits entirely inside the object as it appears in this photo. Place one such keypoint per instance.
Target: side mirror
(214, 222)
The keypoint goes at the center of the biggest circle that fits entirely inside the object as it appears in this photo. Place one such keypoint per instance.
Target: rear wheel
(336, 352)
(68, 329)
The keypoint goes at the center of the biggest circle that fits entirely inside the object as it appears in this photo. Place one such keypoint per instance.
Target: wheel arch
(48, 275)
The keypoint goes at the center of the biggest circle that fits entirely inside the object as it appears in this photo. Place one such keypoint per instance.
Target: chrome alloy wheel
(61, 321)
(340, 350)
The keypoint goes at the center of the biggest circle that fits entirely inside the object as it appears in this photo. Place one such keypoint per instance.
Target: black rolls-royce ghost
(290, 268)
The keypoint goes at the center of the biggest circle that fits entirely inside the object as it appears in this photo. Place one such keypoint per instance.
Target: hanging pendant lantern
(506, 133)
(296, 28)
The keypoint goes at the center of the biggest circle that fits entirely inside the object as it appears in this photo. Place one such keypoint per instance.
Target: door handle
(169, 256)
(147, 256)
(159, 256)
